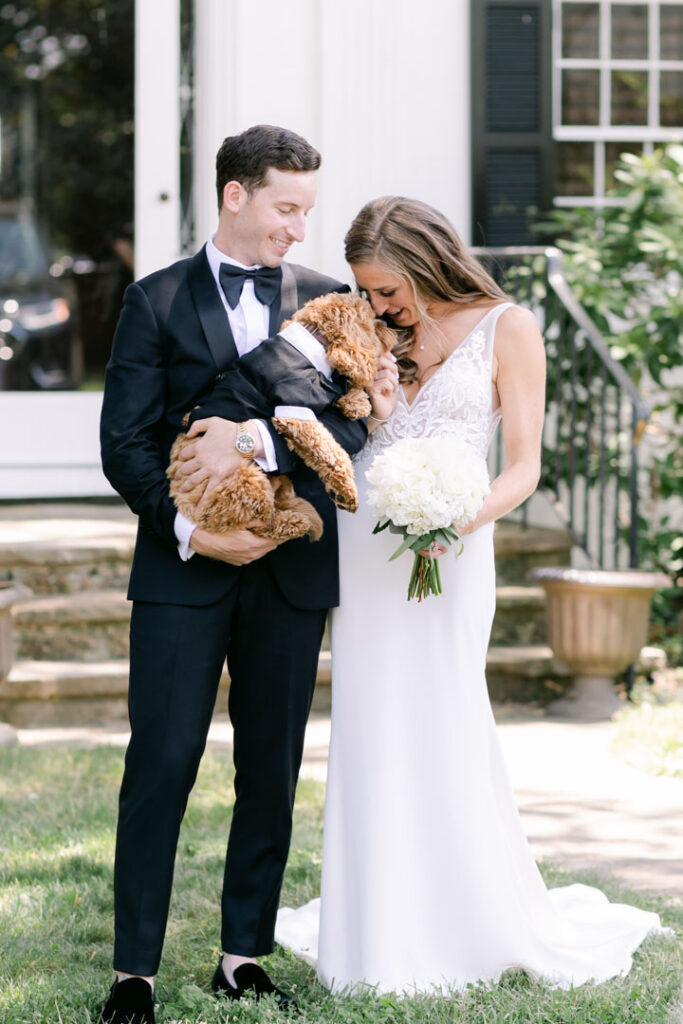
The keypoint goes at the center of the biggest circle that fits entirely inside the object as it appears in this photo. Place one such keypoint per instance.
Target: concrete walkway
(582, 807)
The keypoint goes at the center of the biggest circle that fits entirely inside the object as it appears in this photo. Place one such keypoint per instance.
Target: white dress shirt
(250, 324)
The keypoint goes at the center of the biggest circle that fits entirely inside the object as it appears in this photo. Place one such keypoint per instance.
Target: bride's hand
(435, 550)
(383, 391)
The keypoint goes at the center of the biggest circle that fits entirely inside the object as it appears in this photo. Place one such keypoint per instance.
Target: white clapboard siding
(49, 445)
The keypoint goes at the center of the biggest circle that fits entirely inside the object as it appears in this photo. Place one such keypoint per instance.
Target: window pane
(580, 30)
(629, 97)
(575, 169)
(671, 31)
(66, 189)
(671, 99)
(629, 31)
(613, 151)
(580, 97)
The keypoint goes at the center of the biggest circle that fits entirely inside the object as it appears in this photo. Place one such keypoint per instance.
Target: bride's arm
(519, 375)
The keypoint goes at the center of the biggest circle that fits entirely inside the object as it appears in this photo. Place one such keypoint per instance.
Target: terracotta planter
(10, 593)
(597, 624)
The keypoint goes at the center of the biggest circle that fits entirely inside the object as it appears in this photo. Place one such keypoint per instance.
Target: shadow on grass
(56, 915)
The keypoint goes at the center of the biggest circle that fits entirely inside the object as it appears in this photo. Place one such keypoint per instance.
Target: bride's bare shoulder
(518, 347)
(517, 326)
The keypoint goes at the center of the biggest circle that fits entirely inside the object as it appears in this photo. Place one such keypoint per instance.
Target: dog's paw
(354, 404)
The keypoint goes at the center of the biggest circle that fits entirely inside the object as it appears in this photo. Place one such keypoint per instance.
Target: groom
(198, 596)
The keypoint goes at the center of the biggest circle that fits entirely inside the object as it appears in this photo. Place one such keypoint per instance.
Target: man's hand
(384, 389)
(236, 547)
(212, 456)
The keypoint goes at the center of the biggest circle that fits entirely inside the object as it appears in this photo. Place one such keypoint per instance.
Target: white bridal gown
(427, 878)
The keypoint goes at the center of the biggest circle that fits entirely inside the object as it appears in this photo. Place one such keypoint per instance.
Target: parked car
(40, 347)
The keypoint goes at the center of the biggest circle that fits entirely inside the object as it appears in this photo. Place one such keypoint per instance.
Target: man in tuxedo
(199, 597)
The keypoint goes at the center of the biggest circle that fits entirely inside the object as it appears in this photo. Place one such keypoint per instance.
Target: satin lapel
(211, 312)
(289, 301)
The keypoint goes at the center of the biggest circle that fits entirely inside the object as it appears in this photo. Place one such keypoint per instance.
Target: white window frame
(650, 134)
(157, 134)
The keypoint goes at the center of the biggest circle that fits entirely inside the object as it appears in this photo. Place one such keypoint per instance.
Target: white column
(381, 87)
(44, 462)
(214, 102)
(255, 63)
(157, 133)
(396, 100)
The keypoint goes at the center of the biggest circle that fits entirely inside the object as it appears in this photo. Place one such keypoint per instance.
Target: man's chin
(275, 256)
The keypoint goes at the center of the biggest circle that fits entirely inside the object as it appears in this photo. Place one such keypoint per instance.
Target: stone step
(527, 674)
(87, 626)
(519, 549)
(41, 693)
(69, 548)
(520, 617)
(93, 625)
(66, 549)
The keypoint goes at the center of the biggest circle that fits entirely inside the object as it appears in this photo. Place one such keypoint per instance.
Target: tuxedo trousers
(176, 658)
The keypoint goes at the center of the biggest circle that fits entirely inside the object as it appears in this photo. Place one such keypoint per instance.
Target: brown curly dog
(353, 340)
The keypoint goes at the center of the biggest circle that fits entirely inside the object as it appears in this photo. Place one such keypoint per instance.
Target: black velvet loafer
(250, 978)
(130, 1002)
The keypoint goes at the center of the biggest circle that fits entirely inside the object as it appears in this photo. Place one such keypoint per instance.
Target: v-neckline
(448, 358)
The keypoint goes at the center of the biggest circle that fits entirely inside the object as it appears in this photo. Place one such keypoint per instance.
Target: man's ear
(234, 196)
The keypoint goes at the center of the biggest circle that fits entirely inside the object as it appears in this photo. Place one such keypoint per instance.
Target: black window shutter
(512, 149)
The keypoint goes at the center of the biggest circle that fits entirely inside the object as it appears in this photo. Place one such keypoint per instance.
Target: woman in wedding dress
(427, 880)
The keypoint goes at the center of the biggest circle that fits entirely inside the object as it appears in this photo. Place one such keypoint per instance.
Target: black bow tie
(267, 283)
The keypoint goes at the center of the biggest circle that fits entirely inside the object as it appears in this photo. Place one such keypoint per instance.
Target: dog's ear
(387, 337)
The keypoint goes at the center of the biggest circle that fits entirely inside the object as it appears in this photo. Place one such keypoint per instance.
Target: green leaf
(412, 543)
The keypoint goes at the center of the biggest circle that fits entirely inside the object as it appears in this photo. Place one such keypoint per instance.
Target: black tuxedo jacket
(273, 374)
(172, 342)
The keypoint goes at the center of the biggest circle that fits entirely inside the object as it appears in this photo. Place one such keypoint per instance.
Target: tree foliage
(623, 262)
(67, 74)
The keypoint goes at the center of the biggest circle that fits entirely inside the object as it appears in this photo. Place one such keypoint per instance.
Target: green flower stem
(425, 578)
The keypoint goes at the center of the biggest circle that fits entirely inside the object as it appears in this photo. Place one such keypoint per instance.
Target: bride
(427, 881)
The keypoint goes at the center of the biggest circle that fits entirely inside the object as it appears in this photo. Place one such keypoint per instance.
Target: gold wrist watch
(245, 442)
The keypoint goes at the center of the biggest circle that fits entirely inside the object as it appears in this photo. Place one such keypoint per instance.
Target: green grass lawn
(57, 819)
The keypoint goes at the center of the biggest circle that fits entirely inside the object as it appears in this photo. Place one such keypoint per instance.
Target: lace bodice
(455, 400)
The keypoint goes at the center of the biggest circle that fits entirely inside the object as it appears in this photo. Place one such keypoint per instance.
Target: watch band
(245, 442)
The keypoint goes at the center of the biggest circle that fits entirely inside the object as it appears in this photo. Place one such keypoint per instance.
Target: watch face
(245, 444)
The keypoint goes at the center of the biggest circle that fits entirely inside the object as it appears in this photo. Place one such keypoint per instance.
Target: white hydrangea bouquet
(424, 488)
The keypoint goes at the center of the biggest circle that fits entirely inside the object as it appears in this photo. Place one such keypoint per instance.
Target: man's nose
(297, 227)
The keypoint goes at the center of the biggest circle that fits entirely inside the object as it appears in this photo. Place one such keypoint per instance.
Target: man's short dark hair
(247, 157)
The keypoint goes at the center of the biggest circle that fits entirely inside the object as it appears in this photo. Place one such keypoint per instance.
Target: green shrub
(623, 263)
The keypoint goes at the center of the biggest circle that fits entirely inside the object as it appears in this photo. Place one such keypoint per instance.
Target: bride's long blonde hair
(416, 243)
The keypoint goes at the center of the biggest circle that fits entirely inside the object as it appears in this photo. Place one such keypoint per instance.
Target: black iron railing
(594, 415)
